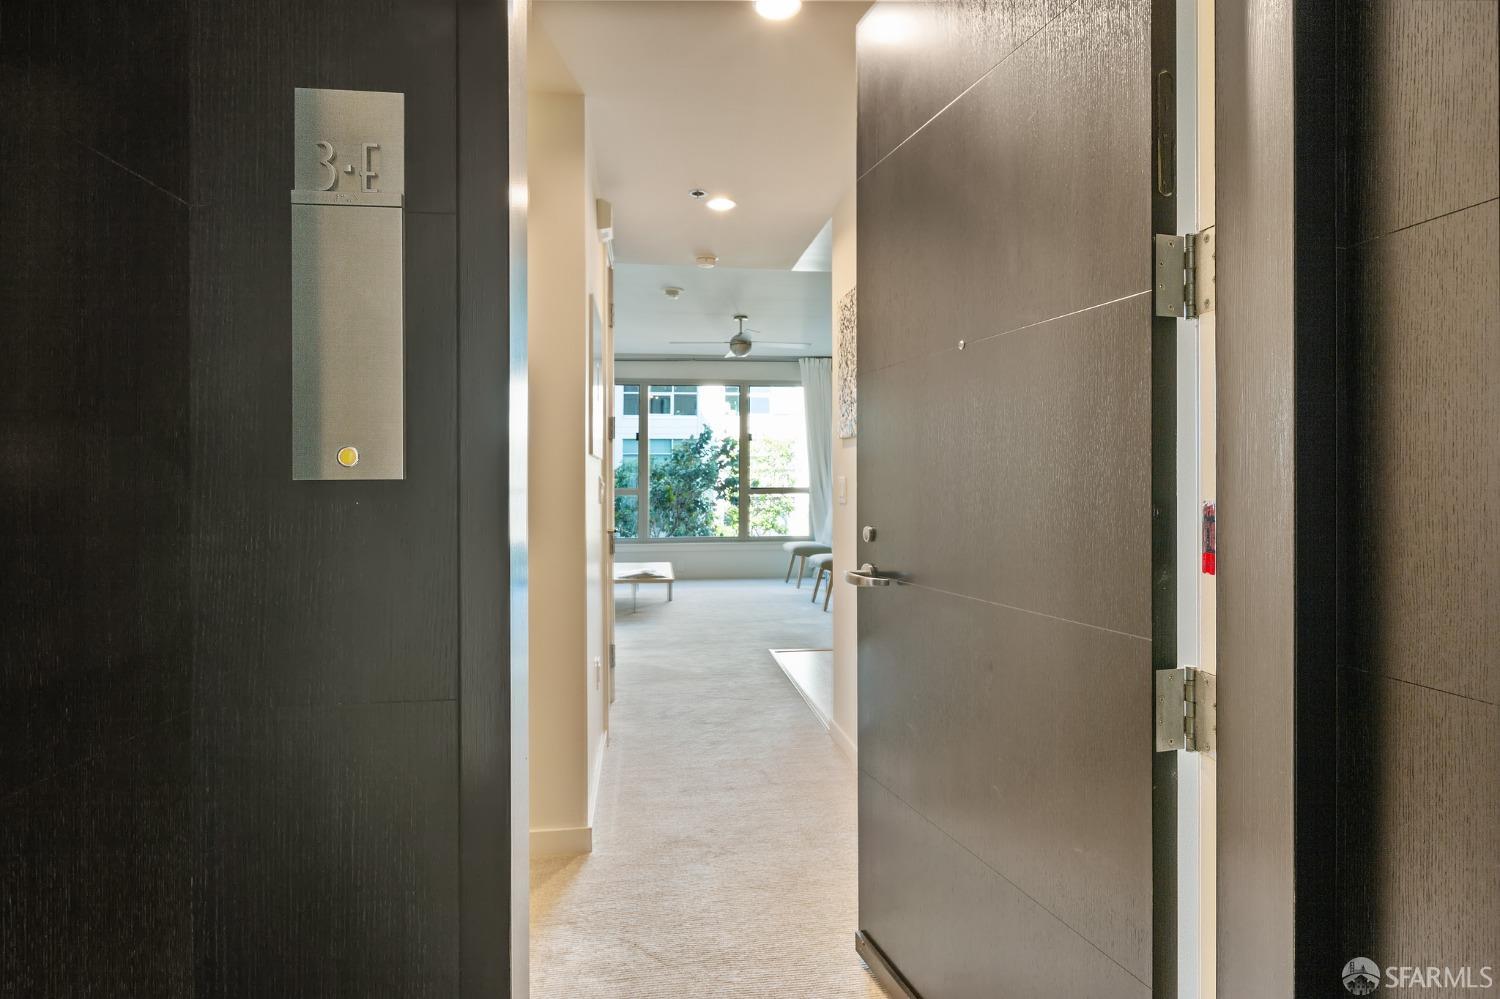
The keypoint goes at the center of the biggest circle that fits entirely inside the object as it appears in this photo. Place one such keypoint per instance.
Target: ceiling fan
(740, 343)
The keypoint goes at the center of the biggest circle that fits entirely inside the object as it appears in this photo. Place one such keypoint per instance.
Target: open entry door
(1016, 488)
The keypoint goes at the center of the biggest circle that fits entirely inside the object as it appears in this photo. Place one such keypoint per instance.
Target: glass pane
(625, 516)
(685, 400)
(661, 399)
(627, 463)
(778, 436)
(627, 452)
(775, 515)
(694, 478)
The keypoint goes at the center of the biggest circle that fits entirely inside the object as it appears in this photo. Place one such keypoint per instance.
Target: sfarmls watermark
(1363, 976)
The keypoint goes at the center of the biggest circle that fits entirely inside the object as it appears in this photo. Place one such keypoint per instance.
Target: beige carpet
(724, 858)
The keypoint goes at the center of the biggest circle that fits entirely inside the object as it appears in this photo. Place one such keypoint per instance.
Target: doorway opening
(691, 225)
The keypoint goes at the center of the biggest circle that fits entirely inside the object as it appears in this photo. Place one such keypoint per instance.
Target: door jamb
(1197, 772)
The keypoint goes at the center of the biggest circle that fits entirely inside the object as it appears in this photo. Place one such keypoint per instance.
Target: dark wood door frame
(1277, 461)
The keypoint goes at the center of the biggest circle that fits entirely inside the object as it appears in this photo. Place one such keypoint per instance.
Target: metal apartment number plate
(348, 262)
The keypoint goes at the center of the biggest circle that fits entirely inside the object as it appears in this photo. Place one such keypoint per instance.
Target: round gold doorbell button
(348, 456)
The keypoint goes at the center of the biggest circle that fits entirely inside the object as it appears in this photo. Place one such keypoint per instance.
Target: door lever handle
(867, 575)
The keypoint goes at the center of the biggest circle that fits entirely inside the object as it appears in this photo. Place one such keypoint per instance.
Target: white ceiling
(782, 305)
(708, 94)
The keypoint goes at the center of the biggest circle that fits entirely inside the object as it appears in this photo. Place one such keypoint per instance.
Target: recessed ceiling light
(697, 194)
(721, 203)
(777, 10)
(707, 261)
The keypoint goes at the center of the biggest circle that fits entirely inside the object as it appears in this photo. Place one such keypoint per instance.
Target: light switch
(843, 490)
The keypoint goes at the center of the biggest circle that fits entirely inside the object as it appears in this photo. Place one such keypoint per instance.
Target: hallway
(724, 858)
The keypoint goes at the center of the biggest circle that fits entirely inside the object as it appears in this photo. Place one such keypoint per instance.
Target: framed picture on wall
(597, 408)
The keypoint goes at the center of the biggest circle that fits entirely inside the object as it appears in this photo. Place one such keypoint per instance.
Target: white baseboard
(846, 745)
(562, 842)
(598, 778)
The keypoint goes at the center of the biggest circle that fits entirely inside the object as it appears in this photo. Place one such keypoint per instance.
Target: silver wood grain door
(1011, 465)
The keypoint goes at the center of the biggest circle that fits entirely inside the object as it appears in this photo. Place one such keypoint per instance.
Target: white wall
(567, 624)
(709, 559)
(598, 480)
(845, 722)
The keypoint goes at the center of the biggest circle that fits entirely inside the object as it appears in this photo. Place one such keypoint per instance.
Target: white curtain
(817, 396)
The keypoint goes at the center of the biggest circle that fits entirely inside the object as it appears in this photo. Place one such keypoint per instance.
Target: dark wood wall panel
(916, 58)
(95, 872)
(1367, 179)
(1277, 452)
(492, 586)
(1008, 385)
(1419, 824)
(1007, 845)
(1009, 945)
(1255, 501)
(1421, 316)
(241, 717)
(342, 702)
(1418, 721)
(1023, 798)
(334, 862)
(1417, 125)
(1022, 231)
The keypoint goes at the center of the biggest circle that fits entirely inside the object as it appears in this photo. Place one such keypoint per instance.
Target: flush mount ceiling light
(777, 10)
(720, 203)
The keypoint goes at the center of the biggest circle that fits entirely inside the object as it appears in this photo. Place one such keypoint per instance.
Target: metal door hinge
(1185, 274)
(1186, 709)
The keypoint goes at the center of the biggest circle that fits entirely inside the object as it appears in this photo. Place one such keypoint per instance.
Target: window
(674, 400)
(660, 449)
(627, 455)
(778, 462)
(694, 462)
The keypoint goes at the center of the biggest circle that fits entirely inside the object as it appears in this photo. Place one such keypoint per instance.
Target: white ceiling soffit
(711, 95)
(819, 253)
(787, 305)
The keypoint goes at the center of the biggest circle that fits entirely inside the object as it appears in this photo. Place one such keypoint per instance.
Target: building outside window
(696, 461)
(674, 400)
